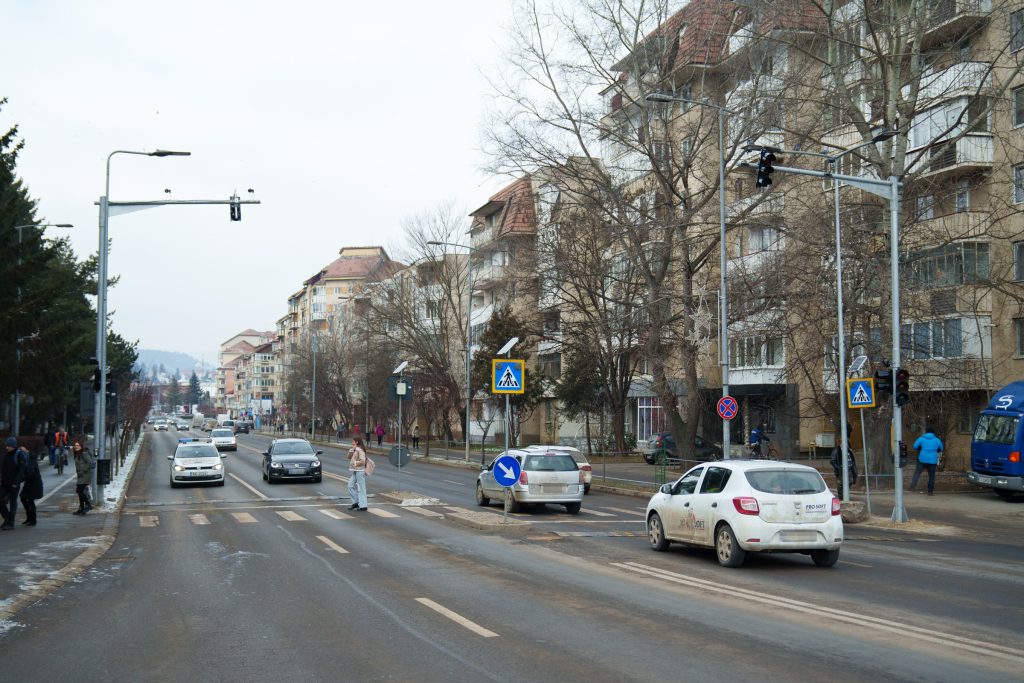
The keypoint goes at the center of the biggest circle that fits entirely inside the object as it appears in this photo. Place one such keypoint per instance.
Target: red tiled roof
(515, 206)
(367, 267)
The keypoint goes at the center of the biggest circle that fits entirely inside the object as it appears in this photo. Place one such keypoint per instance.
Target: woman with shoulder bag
(357, 475)
(84, 464)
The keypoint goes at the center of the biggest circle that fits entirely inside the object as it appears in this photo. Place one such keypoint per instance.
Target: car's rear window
(222, 432)
(786, 482)
(549, 463)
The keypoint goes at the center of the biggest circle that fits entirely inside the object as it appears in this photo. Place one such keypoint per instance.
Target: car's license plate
(196, 473)
(296, 470)
(799, 536)
(552, 488)
(984, 480)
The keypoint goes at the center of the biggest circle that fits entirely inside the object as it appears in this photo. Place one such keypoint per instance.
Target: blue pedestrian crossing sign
(507, 376)
(860, 393)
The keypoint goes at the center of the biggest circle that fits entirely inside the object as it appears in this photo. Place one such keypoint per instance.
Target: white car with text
(741, 506)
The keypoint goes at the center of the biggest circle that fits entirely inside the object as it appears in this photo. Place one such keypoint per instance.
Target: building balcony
(488, 276)
(970, 153)
(955, 226)
(757, 375)
(958, 80)
(760, 204)
(954, 18)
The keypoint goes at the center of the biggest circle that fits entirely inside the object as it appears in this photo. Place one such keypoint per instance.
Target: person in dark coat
(837, 468)
(84, 464)
(32, 489)
(12, 473)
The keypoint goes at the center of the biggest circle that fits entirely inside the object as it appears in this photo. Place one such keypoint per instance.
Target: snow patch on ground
(114, 491)
(417, 502)
(8, 625)
(39, 562)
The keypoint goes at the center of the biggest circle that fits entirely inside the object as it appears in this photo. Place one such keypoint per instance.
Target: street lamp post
(100, 412)
(469, 316)
(16, 429)
(723, 313)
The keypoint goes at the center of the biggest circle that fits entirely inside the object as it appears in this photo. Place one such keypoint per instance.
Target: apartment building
(240, 345)
(958, 151)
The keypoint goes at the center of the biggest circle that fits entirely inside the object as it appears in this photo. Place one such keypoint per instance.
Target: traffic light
(96, 380)
(236, 208)
(902, 386)
(764, 168)
(883, 381)
(903, 454)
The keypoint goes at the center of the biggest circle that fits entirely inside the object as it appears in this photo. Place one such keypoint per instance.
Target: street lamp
(16, 430)
(100, 416)
(723, 314)
(469, 315)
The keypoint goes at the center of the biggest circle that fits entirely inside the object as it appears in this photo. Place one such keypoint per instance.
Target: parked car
(549, 475)
(663, 443)
(741, 506)
(291, 459)
(223, 439)
(196, 461)
(577, 455)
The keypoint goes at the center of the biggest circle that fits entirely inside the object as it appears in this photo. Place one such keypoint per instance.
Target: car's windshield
(222, 432)
(999, 429)
(549, 463)
(786, 482)
(203, 451)
(296, 448)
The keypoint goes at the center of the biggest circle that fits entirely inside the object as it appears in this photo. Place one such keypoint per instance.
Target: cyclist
(759, 441)
(59, 447)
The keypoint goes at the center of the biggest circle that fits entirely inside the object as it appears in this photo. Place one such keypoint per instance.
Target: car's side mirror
(170, 457)
(223, 455)
(319, 452)
(666, 488)
(267, 453)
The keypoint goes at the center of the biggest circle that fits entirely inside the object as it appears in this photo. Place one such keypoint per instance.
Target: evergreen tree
(174, 397)
(195, 392)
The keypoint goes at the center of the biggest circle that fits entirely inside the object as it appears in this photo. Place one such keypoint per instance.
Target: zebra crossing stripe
(381, 513)
(243, 518)
(290, 516)
(332, 545)
(596, 513)
(424, 511)
(334, 514)
(149, 520)
(198, 520)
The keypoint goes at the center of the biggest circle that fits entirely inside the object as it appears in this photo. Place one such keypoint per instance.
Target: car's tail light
(746, 505)
(1015, 456)
(581, 477)
(836, 507)
(523, 479)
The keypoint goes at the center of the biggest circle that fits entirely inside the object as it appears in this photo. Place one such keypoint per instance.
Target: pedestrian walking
(50, 446)
(379, 431)
(416, 435)
(837, 468)
(84, 465)
(32, 488)
(357, 475)
(928, 447)
(12, 473)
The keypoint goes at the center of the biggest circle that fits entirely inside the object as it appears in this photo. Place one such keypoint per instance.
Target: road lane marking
(381, 513)
(585, 511)
(248, 485)
(457, 618)
(334, 514)
(424, 511)
(243, 517)
(336, 476)
(149, 520)
(929, 635)
(455, 509)
(858, 564)
(625, 511)
(332, 545)
(290, 516)
(457, 483)
(199, 519)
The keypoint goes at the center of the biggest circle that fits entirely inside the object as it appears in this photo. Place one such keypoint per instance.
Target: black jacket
(11, 470)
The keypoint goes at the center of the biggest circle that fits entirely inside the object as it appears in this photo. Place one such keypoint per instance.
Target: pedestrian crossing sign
(860, 393)
(507, 376)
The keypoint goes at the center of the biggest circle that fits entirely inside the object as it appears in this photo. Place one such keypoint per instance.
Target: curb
(78, 565)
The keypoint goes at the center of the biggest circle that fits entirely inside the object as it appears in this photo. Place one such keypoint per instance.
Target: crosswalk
(149, 519)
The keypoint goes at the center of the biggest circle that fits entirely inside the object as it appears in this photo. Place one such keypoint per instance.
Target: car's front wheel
(825, 558)
(727, 548)
(264, 473)
(656, 533)
(481, 499)
(317, 480)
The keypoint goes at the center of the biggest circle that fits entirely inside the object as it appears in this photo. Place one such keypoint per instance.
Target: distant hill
(172, 361)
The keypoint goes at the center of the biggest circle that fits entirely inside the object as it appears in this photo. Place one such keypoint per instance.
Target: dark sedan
(664, 445)
(291, 459)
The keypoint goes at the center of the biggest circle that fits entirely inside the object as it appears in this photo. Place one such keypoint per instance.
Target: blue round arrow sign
(507, 470)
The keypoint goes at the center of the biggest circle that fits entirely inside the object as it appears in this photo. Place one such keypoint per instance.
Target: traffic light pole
(887, 189)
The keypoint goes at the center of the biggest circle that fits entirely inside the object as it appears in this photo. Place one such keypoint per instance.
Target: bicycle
(754, 452)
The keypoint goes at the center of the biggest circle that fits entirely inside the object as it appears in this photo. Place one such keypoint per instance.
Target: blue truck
(998, 442)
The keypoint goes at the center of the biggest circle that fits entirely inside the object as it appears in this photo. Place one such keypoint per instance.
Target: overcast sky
(345, 118)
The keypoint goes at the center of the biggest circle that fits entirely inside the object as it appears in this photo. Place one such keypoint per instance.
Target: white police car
(196, 461)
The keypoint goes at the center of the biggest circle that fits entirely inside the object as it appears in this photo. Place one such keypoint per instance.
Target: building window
(1016, 30)
(1018, 261)
(550, 365)
(950, 265)
(963, 196)
(1018, 333)
(1018, 106)
(935, 339)
(968, 418)
(1018, 184)
(925, 208)
(650, 419)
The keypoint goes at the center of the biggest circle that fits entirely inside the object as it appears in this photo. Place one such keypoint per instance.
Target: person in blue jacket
(928, 447)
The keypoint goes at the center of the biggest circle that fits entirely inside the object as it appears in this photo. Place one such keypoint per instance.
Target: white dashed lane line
(248, 485)
(457, 618)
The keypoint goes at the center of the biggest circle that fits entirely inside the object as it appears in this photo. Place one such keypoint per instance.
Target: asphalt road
(257, 582)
